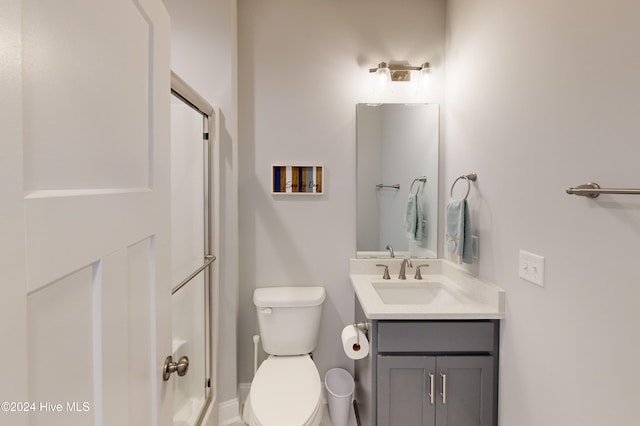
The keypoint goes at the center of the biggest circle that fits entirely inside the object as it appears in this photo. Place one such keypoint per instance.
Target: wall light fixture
(399, 72)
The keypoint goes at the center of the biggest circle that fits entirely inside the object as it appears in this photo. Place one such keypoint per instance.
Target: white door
(85, 313)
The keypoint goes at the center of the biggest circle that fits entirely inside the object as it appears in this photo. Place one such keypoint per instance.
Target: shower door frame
(190, 97)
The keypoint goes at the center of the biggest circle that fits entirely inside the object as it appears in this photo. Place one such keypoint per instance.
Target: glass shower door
(190, 392)
(191, 260)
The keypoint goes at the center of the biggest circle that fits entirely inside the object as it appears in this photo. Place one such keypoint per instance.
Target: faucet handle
(385, 275)
(418, 275)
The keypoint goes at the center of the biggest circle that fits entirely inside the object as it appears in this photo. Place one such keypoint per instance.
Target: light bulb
(384, 75)
(425, 72)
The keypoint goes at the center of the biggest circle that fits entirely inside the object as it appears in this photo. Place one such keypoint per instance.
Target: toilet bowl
(286, 391)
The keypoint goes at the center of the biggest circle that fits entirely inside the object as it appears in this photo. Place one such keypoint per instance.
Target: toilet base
(249, 417)
(285, 391)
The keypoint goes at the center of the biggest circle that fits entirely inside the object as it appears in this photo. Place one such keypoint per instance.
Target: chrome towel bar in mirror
(381, 185)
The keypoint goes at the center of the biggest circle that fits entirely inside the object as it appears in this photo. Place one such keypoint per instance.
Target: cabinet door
(404, 390)
(465, 386)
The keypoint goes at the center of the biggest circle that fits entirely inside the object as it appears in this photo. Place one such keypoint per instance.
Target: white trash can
(340, 385)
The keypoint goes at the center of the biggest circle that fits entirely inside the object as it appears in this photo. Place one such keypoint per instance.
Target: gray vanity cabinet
(435, 390)
(404, 384)
(429, 373)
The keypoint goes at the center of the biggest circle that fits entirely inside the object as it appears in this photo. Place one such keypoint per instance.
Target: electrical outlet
(475, 245)
(531, 268)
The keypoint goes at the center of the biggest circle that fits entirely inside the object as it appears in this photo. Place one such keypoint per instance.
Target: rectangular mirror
(397, 148)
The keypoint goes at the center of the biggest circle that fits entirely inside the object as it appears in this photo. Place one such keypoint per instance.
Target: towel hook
(421, 179)
(470, 177)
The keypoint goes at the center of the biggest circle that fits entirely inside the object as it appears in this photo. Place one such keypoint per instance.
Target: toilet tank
(289, 318)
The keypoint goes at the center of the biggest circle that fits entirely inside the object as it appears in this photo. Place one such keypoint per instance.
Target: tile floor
(326, 421)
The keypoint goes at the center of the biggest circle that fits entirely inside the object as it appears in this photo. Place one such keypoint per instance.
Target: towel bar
(593, 190)
(209, 259)
(381, 185)
(469, 178)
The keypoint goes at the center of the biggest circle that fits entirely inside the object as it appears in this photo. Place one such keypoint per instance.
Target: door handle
(444, 388)
(432, 391)
(181, 367)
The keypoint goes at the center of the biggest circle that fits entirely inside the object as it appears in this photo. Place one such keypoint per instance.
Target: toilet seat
(286, 391)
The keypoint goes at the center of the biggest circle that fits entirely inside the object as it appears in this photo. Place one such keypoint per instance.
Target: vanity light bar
(399, 72)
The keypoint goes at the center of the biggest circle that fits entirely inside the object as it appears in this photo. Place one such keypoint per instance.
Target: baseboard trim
(243, 392)
(229, 412)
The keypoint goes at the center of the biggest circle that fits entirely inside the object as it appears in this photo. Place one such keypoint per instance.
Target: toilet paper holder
(362, 326)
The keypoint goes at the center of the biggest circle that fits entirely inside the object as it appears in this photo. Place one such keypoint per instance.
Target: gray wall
(302, 67)
(543, 95)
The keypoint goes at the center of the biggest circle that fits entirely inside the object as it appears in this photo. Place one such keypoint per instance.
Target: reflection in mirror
(397, 144)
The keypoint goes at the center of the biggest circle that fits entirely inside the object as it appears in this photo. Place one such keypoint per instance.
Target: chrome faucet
(391, 253)
(403, 265)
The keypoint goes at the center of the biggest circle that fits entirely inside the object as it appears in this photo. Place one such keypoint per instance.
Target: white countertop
(472, 298)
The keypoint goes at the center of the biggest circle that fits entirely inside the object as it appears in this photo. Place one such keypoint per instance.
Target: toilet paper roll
(354, 342)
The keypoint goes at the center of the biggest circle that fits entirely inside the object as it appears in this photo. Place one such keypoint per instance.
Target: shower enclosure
(192, 260)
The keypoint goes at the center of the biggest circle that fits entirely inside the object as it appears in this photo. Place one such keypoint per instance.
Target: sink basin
(414, 293)
(446, 292)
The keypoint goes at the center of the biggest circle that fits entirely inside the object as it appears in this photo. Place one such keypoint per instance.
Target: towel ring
(421, 179)
(470, 177)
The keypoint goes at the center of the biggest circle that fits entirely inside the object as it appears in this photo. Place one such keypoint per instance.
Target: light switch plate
(531, 267)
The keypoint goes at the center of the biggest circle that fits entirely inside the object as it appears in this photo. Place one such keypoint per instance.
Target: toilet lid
(285, 390)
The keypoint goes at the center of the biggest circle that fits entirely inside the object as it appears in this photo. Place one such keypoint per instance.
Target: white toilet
(286, 389)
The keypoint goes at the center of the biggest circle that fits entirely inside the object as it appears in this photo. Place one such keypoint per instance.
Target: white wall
(543, 95)
(302, 67)
(203, 50)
